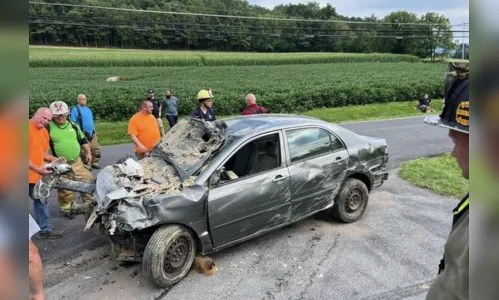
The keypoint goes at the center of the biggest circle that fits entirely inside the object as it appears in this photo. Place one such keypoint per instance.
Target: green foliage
(439, 174)
(87, 27)
(370, 111)
(68, 57)
(282, 88)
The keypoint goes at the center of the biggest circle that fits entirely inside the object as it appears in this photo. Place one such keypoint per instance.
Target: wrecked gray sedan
(209, 185)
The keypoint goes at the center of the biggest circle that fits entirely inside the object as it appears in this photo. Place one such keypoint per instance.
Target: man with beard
(143, 130)
(171, 106)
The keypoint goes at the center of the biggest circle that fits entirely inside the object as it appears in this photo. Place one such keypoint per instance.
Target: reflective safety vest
(459, 211)
(452, 281)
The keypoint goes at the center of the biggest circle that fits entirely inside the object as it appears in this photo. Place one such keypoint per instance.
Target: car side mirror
(215, 177)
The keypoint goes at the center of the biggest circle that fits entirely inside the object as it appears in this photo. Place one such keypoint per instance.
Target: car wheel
(351, 201)
(169, 255)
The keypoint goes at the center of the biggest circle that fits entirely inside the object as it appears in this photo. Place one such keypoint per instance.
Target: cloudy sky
(456, 10)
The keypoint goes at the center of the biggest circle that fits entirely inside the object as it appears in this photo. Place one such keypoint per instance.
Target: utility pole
(464, 29)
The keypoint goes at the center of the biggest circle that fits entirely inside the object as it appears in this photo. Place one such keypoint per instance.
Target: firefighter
(205, 109)
(452, 281)
(66, 140)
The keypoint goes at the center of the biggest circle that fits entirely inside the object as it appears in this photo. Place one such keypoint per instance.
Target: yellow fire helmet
(204, 94)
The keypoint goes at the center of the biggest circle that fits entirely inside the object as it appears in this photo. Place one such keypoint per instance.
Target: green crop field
(74, 57)
(281, 88)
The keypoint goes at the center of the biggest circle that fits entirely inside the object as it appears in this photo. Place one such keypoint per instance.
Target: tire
(351, 201)
(167, 244)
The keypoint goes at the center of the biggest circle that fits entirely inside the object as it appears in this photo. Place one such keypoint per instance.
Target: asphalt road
(391, 253)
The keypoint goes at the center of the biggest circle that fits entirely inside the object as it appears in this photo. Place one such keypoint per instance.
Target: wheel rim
(176, 255)
(354, 201)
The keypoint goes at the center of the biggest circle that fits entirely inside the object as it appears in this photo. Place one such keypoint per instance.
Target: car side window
(308, 142)
(336, 144)
(258, 156)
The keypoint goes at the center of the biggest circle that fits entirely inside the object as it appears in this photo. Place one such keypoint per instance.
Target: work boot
(96, 166)
(67, 214)
(71, 212)
(81, 209)
(49, 235)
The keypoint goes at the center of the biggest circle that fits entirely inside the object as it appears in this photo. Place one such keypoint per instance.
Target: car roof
(259, 123)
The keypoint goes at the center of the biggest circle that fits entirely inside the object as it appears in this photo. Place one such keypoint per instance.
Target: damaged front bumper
(136, 195)
(133, 197)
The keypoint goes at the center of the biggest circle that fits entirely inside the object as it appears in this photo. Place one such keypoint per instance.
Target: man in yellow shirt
(143, 129)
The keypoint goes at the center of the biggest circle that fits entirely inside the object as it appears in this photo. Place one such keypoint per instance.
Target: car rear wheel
(169, 255)
(351, 201)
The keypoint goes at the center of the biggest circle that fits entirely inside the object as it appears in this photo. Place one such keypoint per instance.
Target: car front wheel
(169, 255)
(351, 201)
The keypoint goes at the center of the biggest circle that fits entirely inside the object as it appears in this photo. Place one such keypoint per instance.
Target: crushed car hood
(180, 153)
(190, 143)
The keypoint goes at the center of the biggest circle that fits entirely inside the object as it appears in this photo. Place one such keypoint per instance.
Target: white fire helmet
(59, 108)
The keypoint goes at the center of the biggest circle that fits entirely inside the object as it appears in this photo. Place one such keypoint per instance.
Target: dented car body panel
(234, 179)
(243, 209)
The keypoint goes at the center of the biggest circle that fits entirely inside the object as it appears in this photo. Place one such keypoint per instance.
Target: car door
(317, 160)
(253, 204)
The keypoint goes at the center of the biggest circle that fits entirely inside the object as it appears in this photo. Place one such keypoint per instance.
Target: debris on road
(45, 184)
(205, 265)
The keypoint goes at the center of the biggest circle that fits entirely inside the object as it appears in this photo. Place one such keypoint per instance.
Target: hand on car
(44, 171)
(143, 149)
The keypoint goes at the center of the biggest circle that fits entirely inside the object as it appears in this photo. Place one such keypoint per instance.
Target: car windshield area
(258, 156)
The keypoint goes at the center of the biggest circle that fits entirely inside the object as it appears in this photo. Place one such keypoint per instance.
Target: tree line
(399, 32)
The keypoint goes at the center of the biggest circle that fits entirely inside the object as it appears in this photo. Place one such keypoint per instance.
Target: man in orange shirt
(143, 129)
(38, 147)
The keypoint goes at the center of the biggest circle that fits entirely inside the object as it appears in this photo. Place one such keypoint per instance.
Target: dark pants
(423, 107)
(172, 120)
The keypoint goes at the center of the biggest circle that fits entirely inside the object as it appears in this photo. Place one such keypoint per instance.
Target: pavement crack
(321, 262)
(281, 281)
(163, 294)
(309, 284)
(333, 246)
(402, 292)
(309, 251)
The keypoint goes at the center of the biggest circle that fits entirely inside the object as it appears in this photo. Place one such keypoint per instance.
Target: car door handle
(338, 160)
(279, 178)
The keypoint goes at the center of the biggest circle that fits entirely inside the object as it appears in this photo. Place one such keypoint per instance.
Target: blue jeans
(172, 120)
(41, 209)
